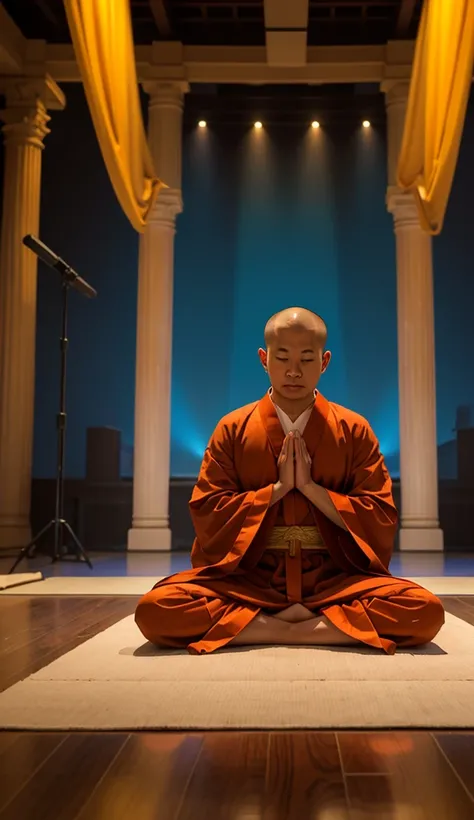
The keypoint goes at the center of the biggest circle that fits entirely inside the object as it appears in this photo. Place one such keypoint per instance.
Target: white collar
(285, 421)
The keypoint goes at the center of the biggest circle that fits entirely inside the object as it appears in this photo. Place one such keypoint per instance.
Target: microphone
(46, 255)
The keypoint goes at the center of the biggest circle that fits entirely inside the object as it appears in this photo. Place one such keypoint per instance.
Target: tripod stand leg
(29, 550)
(58, 542)
(80, 549)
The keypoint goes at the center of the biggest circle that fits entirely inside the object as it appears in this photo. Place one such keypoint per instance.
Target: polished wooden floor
(216, 775)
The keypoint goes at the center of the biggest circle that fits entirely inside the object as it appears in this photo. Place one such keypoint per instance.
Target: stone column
(151, 472)
(420, 528)
(25, 127)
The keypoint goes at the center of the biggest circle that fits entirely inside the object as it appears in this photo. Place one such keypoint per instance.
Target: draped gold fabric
(101, 32)
(439, 91)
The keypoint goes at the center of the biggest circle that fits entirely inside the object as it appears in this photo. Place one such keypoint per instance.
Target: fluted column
(151, 471)
(25, 126)
(420, 528)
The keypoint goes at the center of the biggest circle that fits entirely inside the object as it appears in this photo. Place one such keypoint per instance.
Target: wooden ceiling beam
(12, 45)
(286, 26)
(47, 12)
(248, 64)
(161, 18)
(405, 16)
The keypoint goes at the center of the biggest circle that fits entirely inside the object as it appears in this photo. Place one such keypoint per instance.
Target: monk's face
(295, 359)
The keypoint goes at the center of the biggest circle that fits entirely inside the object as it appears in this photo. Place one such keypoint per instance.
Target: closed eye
(303, 361)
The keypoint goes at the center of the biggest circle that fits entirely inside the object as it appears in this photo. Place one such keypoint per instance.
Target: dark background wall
(272, 218)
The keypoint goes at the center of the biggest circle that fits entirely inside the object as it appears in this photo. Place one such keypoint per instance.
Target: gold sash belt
(285, 538)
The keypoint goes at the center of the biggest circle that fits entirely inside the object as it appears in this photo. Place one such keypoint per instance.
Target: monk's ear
(326, 359)
(262, 355)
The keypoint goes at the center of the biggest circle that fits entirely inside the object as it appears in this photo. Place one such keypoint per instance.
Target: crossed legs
(181, 616)
(295, 626)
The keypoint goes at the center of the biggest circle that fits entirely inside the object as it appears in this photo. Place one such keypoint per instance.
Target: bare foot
(321, 633)
(295, 614)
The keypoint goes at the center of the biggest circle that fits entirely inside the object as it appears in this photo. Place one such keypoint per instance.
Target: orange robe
(234, 576)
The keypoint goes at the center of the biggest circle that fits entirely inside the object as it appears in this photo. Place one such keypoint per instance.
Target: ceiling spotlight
(315, 124)
(366, 124)
(202, 123)
(257, 124)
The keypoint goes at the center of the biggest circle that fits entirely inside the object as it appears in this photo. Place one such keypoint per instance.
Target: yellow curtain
(101, 32)
(439, 91)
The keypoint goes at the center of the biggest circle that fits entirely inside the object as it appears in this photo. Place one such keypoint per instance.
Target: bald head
(295, 357)
(296, 318)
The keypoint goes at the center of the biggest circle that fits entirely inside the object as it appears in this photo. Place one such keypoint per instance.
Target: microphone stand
(59, 524)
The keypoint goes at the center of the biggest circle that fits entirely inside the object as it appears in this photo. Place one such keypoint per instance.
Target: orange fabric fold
(226, 518)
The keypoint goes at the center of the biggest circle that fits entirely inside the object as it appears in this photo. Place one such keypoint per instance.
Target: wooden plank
(458, 747)
(229, 778)
(22, 662)
(19, 760)
(371, 796)
(304, 777)
(372, 752)
(37, 616)
(147, 779)
(460, 609)
(61, 786)
(418, 781)
(7, 739)
(7, 601)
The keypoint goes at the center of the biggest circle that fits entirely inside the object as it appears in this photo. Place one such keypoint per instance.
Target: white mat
(94, 585)
(116, 681)
(137, 585)
(19, 579)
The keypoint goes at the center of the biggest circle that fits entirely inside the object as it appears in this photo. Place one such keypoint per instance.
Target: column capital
(25, 115)
(26, 90)
(168, 205)
(396, 92)
(166, 94)
(25, 124)
(402, 206)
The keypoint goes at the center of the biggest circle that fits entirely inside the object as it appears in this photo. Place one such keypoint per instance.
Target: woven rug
(117, 681)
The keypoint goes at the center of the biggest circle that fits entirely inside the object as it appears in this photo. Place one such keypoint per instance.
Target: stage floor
(116, 564)
(345, 775)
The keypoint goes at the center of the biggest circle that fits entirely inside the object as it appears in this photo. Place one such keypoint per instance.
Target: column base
(153, 539)
(12, 537)
(421, 540)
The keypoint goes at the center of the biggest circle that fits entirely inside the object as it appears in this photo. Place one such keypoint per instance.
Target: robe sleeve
(367, 509)
(226, 517)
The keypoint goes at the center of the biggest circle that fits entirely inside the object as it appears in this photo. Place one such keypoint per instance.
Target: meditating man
(294, 521)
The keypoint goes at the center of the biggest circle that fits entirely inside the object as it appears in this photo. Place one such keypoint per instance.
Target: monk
(294, 521)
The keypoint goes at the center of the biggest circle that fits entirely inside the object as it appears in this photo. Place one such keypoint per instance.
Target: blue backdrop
(271, 219)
